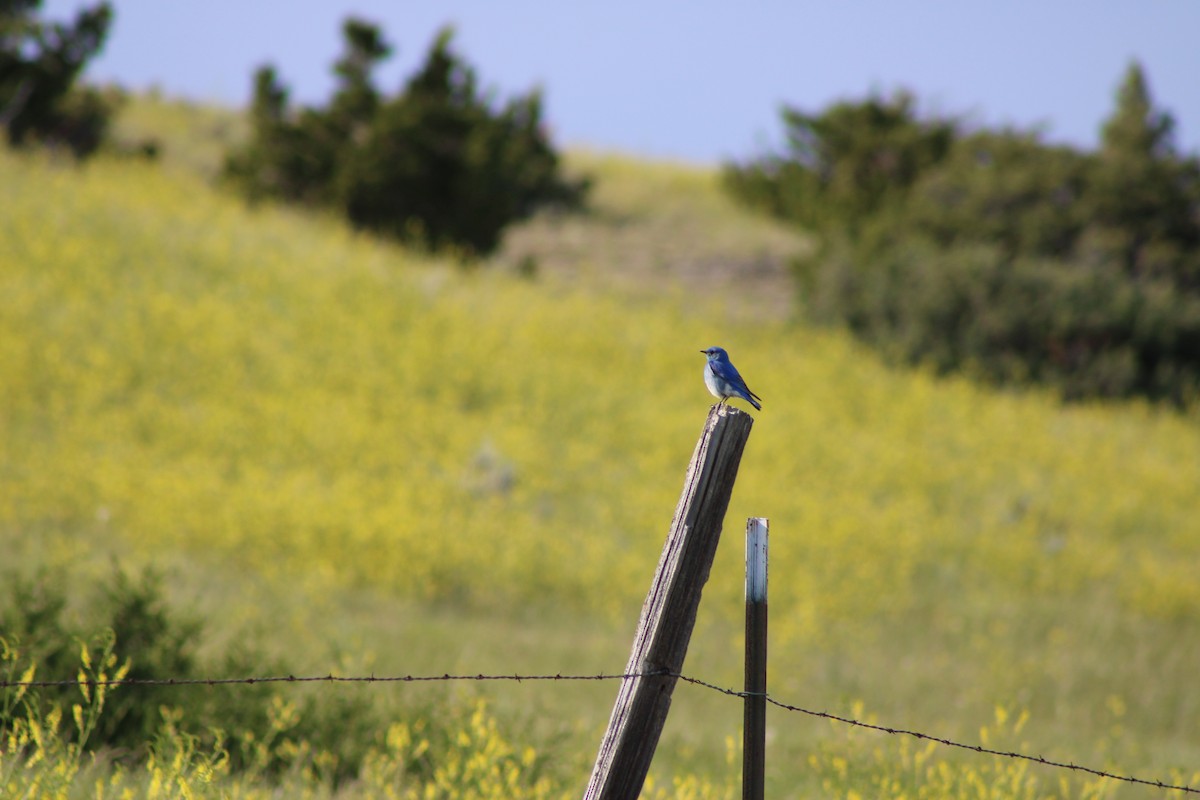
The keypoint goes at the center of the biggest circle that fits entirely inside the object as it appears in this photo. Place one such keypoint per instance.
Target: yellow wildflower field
(185, 375)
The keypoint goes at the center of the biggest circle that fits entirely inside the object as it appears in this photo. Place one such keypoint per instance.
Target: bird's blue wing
(728, 372)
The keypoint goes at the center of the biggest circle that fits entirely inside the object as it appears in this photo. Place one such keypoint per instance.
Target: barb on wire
(948, 742)
(6, 684)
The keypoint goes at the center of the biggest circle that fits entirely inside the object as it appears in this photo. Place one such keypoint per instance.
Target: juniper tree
(40, 63)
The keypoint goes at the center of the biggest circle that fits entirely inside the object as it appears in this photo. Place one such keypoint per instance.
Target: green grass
(356, 454)
(664, 230)
(189, 137)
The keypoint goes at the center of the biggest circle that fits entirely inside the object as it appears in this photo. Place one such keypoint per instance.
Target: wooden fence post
(669, 613)
(754, 727)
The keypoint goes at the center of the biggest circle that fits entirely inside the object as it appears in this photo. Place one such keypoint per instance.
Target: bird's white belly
(714, 384)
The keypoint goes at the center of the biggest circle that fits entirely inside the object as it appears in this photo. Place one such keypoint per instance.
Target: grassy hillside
(362, 454)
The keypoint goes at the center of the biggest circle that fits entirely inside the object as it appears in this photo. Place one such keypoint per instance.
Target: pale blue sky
(699, 81)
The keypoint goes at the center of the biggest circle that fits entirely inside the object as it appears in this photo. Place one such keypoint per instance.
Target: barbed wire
(948, 742)
(331, 678)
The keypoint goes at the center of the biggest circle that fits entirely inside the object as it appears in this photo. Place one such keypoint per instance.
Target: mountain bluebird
(723, 380)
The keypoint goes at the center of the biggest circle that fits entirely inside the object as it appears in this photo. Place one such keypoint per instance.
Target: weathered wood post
(669, 613)
(754, 727)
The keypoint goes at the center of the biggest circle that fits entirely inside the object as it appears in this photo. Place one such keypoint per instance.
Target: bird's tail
(753, 400)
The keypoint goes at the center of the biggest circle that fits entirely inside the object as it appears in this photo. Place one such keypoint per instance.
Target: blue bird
(724, 381)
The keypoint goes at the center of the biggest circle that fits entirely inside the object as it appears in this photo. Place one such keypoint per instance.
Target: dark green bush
(1011, 319)
(993, 252)
(1006, 189)
(436, 164)
(40, 102)
(846, 165)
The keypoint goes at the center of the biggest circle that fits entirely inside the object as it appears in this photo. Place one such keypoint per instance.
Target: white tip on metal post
(756, 560)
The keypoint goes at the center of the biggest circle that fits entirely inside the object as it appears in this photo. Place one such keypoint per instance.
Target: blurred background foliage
(434, 165)
(40, 62)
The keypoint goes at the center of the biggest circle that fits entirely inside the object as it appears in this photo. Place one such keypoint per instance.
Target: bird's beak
(704, 351)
